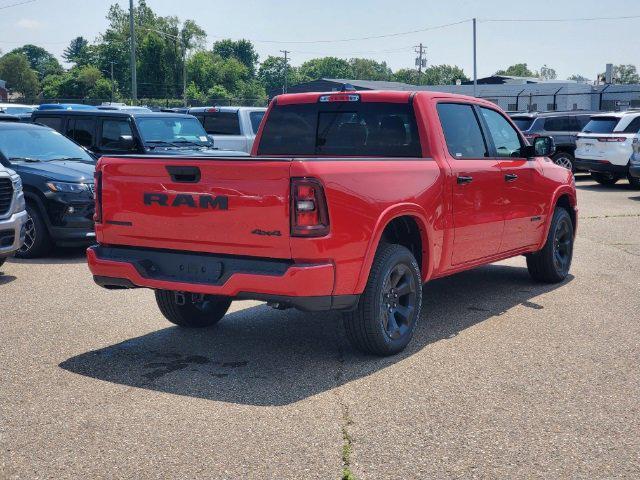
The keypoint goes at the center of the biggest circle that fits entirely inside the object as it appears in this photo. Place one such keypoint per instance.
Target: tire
(2, 260)
(370, 328)
(552, 263)
(606, 179)
(37, 241)
(565, 160)
(634, 181)
(197, 311)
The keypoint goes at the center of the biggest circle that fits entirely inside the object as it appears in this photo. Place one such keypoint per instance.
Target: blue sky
(579, 47)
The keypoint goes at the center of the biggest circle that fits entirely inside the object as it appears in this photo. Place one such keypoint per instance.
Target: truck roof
(385, 96)
(109, 113)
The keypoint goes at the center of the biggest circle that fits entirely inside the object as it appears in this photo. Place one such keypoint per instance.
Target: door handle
(462, 180)
(180, 174)
(510, 177)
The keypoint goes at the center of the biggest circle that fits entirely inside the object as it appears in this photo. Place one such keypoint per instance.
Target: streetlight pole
(134, 80)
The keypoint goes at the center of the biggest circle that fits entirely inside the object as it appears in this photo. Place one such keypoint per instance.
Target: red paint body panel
(461, 226)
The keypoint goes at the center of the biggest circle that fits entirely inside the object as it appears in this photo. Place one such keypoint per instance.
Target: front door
(525, 199)
(477, 183)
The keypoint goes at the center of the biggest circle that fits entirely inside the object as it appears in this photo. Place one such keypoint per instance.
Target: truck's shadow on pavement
(259, 356)
(58, 256)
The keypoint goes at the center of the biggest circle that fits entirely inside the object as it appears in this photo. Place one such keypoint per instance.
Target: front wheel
(564, 159)
(389, 308)
(191, 309)
(552, 263)
(37, 241)
(605, 178)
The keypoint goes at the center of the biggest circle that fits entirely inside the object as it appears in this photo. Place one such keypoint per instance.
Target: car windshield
(523, 123)
(18, 110)
(39, 145)
(172, 131)
(601, 125)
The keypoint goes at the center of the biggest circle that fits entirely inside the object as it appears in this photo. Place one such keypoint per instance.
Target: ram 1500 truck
(350, 201)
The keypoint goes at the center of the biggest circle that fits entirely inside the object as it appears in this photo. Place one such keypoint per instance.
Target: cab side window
(462, 131)
(51, 122)
(505, 138)
(117, 135)
(82, 130)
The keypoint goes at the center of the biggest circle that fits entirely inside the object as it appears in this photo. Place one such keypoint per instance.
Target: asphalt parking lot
(505, 377)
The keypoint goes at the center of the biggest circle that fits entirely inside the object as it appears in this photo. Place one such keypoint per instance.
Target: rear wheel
(389, 308)
(192, 309)
(634, 181)
(37, 241)
(564, 159)
(552, 263)
(605, 178)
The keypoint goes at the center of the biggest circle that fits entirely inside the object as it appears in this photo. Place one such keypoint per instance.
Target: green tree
(43, 62)
(518, 70)
(442, 75)
(77, 52)
(20, 77)
(326, 67)
(407, 75)
(578, 78)
(625, 74)
(271, 74)
(241, 50)
(547, 73)
(367, 69)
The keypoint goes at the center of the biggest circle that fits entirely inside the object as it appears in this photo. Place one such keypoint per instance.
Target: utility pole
(112, 84)
(184, 74)
(286, 70)
(420, 62)
(134, 80)
(475, 60)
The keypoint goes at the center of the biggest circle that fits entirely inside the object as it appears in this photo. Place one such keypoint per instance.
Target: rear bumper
(12, 233)
(600, 167)
(304, 286)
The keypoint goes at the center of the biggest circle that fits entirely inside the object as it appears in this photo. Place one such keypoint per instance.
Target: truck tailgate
(217, 205)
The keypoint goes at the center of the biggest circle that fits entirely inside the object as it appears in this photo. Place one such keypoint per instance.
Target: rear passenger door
(525, 199)
(82, 130)
(476, 182)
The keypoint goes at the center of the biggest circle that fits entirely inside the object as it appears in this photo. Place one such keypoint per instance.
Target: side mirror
(127, 142)
(544, 146)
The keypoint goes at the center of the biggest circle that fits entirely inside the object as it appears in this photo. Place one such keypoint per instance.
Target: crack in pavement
(346, 420)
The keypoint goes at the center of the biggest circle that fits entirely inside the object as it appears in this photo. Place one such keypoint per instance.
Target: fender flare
(34, 197)
(391, 213)
(559, 192)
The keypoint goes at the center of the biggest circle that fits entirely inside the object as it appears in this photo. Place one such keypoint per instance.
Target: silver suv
(13, 215)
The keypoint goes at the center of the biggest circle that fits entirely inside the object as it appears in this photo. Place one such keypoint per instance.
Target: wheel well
(406, 232)
(565, 202)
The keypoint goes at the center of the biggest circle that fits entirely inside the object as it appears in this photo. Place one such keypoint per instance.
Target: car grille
(6, 195)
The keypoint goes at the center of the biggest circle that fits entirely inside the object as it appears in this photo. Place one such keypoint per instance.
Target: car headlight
(62, 187)
(17, 183)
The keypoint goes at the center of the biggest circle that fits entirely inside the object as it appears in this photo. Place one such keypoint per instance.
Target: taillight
(339, 97)
(611, 139)
(309, 213)
(97, 196)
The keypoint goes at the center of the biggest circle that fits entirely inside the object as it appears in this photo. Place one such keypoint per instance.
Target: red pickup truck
(350, 201)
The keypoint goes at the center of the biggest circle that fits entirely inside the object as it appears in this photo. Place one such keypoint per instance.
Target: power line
(16, 4)
(584, 19)
(372, 37)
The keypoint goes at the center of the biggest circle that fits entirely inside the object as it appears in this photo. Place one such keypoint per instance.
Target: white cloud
(28, 23)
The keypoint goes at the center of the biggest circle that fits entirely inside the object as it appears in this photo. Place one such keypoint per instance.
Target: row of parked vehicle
(50, 152)
(605, 144)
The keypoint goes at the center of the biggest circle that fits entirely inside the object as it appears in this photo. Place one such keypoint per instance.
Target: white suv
(605, 145)
(12, 213)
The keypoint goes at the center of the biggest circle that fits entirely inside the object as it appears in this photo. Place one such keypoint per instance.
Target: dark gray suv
(563, 127)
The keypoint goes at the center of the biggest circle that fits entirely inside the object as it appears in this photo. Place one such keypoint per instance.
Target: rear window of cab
(372, 129)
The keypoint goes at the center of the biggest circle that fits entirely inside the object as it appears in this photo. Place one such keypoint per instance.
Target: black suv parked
(57, 178)
(563, 127)
(117, 132)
